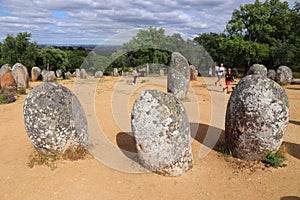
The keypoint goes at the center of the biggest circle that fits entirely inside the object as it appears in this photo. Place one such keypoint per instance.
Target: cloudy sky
(112, 21)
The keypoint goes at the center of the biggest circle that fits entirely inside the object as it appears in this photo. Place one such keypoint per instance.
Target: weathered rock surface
(271, 74)
(284, 75)
(98, 74)
(5, 68)
(48, 76)
(77, 73)
(59, 73)
(7, 81)
(83, 74)
(178, 76)
(36, 74)
(162, 132)
(21, 75)
(258, 69)
(54, 119)
(193, 72)
(115, 72)
(257, 117)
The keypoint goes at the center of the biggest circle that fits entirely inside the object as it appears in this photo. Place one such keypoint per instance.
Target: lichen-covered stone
(271, 74)
(36, 74)
(21, 75)
(178, 76)
(48, 76)
(284, 75)
(258, 69)
(54, 119)
(256, 118)
(98, 74)
(77, 73)
(7, 82)
(162, 132)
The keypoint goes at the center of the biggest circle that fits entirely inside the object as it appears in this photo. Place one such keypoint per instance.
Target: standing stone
(36, 74)
(7, 82)
(21, 75)
(54, 119)
(83, 74)
(68, 75)
(162, 133)
(77, 73)
(258, 69)
(58, 73)
(48, 76)
(5, 68)
(161, 72)
(99, 74)
(271, 74)
(178, 76)
(193, 72)
(115, 72)
(257, 117)
(284, 75)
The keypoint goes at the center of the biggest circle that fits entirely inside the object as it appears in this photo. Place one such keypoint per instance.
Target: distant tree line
(263, 32)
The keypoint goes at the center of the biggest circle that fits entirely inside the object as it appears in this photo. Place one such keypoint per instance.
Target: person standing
(228, 79)
(135, 75)
(220, 71)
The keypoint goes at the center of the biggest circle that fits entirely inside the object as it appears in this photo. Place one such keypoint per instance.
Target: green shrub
(21, 90)
(296, 74)
(274, 160)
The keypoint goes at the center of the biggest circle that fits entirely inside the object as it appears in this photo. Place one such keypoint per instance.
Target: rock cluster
(257, 117)
(162, 133)
(54, 119)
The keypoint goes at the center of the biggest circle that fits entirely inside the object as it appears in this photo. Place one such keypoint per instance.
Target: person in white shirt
(220, 71)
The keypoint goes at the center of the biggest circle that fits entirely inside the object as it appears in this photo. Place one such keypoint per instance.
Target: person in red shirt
(228, 79)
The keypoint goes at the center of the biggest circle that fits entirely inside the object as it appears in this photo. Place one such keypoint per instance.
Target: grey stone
(115, 72)
(21, 75)
(178, 79)
(77, 73)
(284, 75)
(295, 82)
(162, 133)
(48, 76)
(256, 118)
(98, 74)
(54, 119)
(258, 69)
(271, 74)
(36, 74)
(68, 75)
(58, 73)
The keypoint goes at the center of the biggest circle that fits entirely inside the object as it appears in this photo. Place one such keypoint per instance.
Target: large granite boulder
(284, 75)
(54, 119)
(257, 69)
(98, 74)
(48, 76)
(162, 133)
(178, 76)
(59, 73)
(21, 75)
(256, 118)
(271, 74)
(83, 74)
(5, 68)
(36, 74)
(77, 73)
(7, 82)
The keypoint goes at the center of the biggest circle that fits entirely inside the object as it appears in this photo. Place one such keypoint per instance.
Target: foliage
(21, 90)
(7, 97)
(54, 59)
(274, 160)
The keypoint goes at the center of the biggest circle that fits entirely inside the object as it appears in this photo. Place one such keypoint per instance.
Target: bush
(7, 97)
(274, 160)
(22, 90)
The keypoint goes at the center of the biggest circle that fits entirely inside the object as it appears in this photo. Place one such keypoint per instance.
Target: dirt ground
(112, 173)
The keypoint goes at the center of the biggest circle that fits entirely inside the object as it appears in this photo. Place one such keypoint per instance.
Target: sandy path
(106, 178)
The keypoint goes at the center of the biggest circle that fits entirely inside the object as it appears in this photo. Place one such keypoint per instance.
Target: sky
(110, 22)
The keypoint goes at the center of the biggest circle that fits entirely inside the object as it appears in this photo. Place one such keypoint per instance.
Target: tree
(54, 59)
(19, 49)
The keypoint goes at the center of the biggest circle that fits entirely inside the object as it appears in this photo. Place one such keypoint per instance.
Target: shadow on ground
(295, 122)
(290, 198)
(293, 149)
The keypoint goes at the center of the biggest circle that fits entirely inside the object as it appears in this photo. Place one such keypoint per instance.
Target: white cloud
(98, 20)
